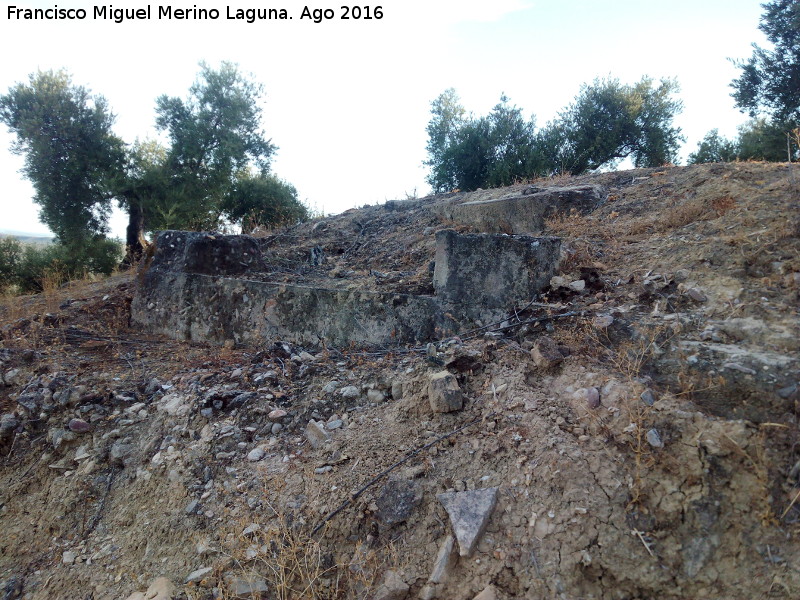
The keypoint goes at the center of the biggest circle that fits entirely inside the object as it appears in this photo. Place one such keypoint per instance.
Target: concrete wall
(200, 286)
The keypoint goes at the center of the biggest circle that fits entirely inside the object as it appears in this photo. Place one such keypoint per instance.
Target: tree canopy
(769, 82)
(607, 122)
(215, 168)
(71, 154)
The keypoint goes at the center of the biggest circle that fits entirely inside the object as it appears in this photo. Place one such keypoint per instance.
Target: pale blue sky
(348, 102)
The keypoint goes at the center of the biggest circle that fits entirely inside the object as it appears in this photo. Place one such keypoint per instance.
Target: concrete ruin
(200, 286)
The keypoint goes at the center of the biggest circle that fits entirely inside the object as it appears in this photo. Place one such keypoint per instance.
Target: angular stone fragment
(489, 593)
(545, 353)
(242, 587)
(444, 394)
(198, 575)
(469, 514)
(392, 587)
(397, 500)
(316, 434)
(161, 589)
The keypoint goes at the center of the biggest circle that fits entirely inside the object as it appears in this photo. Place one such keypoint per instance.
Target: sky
(347, 101)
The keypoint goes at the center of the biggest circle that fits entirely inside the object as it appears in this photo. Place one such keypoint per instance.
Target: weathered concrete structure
(480, 272)
(524, 211)
(200, 286)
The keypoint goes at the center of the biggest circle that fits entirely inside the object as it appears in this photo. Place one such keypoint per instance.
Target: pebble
(696, 295)
(256, 454)
(654, 439)
(325, 469)
(602, 321)
(276, 428)
(68, 557)
(648, 397)
(276, 415)
(577, 286)
(192, 507)
(198, 575)
(330, 387)
(350, 392)
(335, 424)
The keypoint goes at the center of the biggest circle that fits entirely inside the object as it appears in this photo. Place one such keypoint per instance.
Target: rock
(251, 530)
(79, 426)
(654, 439)
(161, 589)
(13, 377)
(397, 501)
(602, 321)
(648, 397)
(545, 353)
(558, 282)
(696, 295)
(785, 393)
(175, 405)
(335, 424)
(445, 560)
(250, 587)
(61, 437)
(350, 392)
(469, 514)
(276, 428)
(681, 275)
(397, 389)
(577, 286)
(256, 454)
(120, 452)
(589, 396)
(68, 557)
(198, 575)
(8, 423)
(488, 593)
(316, 434)
(444, 394)
(392, 587)
(192, 507)
(276, 415)
(330, 387)
(306, 357)
(375, 396)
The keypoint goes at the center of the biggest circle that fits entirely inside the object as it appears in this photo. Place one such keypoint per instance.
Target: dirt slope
(645, 445)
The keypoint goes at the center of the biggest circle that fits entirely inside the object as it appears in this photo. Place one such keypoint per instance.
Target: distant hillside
(26, 238)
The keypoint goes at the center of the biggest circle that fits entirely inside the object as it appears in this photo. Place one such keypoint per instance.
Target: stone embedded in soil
(79, 426)
(198, 575)
(444, 394)
(68, 557)
(256, 454)
(488, 593)
(397, 501)
(648, 397)
(602, 321)
(469, 514)
(276, 415)
(393, 587)
(545, 353)
(246, 587)
(696, 295)
(161, 589)
(316, 434)
(350, 392)
(577, 286)
(445, 559)
(591, 396)
(654, 439)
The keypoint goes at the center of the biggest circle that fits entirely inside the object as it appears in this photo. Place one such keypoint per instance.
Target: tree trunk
(135, 242)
